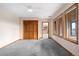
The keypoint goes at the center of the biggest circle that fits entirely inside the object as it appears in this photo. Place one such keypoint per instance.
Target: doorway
(45, 29)
(30, 29)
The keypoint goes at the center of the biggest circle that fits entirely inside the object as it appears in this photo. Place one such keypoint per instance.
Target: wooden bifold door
(30, 29)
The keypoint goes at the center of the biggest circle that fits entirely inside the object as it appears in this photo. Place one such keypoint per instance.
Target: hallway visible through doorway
(45, 29)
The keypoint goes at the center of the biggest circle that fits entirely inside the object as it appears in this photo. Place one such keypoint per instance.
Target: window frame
(60, 26)
(69, 37)
(64, 26)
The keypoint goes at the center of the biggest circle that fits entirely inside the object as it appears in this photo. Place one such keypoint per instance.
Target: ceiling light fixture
(30, 10)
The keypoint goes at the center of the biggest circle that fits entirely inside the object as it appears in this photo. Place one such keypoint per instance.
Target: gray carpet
(43, 47)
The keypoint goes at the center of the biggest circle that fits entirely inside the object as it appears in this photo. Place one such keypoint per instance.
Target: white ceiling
(41, 10)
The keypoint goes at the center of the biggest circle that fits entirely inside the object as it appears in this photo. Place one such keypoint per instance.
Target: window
(73, 29)
(60, 26)
(71, 25)
(66, 24)
(54, 26)
(73, 22)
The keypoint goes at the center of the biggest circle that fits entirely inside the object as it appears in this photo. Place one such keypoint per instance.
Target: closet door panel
(30, 29)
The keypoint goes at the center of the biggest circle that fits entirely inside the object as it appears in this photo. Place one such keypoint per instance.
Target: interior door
(35, 29)
(30, 29)
(26, 26)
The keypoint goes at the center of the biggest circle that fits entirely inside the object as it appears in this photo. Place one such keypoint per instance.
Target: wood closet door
(30, 29)
(35, 29)
(26, 26)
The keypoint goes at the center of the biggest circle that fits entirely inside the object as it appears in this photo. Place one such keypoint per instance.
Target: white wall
(73, 48)
(9, 27)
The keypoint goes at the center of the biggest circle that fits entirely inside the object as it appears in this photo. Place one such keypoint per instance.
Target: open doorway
(45, 29)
